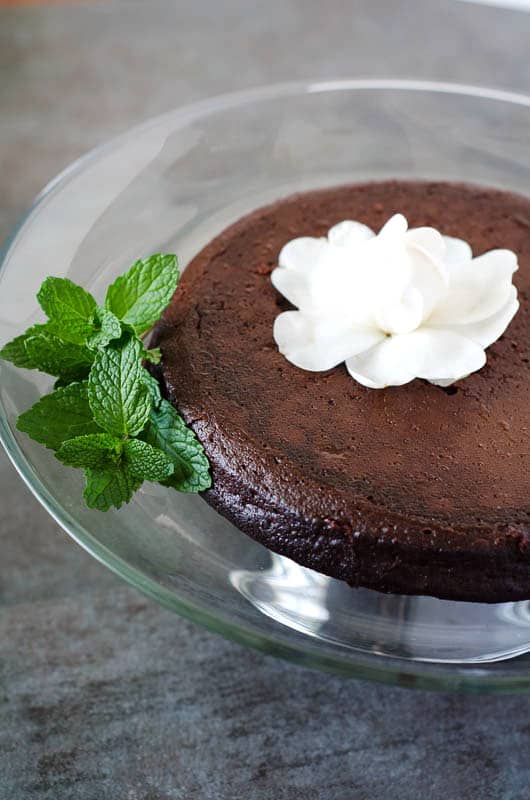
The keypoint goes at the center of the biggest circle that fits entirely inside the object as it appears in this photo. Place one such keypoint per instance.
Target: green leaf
(147, 462)
(69, 308)
(15, 350)
(154, 355)
(92, 450)
(65, 360)
(167, 431)
(61, 415)
(39, 348)
(140, 296)
(118, 396)
(153, 388)
(106, 328)
(110, 486)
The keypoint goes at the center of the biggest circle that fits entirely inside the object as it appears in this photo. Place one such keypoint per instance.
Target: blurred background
(74, 74)
(103, 694)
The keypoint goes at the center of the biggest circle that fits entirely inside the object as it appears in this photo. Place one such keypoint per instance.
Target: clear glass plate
(172, 184)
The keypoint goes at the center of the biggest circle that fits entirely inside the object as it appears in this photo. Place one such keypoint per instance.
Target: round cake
(412, 489)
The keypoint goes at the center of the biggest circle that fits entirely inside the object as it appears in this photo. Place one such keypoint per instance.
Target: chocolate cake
(415, 489)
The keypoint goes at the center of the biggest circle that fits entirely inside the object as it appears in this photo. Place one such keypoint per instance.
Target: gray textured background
(102, 693)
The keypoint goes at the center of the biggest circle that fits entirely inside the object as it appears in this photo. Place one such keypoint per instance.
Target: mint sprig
(106, 414)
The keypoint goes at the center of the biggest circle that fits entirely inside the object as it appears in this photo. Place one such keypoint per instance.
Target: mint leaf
(153, 388)
(69, 308)
(147, 462)
(140, 296)
(154, 355)
(50, 354)
(110, 486)
(118, 395)
(63, 414)
(15, 350)
(167, 431)
(39, 348)
(106, 327)
(92, 450)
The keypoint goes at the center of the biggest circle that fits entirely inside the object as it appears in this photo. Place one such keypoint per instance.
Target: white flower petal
(502, 262)
(441, 382)
(390, 363)
(314, 275)
(428, 276)
(294, 286)
(448, 355)
(316, 344)
(354, 365)
(396, 226)
(456, 251)
(440, 355)
(489, 330)
(429, 240)
(477, 289)
(349, 234)
(318, 277)
(305, 254)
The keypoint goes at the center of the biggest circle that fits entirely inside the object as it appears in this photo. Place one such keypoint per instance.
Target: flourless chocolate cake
(412, 489)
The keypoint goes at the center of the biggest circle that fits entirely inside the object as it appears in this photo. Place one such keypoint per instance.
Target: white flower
(395, 306)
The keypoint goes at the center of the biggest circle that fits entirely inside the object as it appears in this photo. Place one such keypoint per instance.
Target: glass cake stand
(171, 184)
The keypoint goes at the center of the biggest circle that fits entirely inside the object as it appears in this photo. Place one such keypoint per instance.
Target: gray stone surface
(107, 696)
(102, 693)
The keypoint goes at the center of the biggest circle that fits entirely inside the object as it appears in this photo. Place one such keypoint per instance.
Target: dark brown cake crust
(412, 489)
